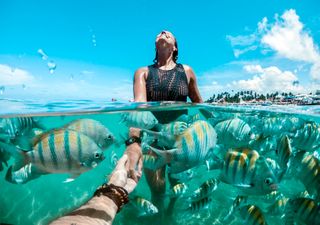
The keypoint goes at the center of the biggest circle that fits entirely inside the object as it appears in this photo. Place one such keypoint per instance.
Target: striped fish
(252, 215)
(191, 148)
(306, 168)
(283, 155)
(283, 151)
(145, 207)
(206, 189)
(179, 189)
(139, 119)
(174, 128)
(244, 168)
(93, 129)
(196, 206)
(58, 151)
(271, 126)
(17, 126)
(188, 119)
(234, 133)
(278, 207)
(237, 203)
(307, 138)
(150, 161)
(303, 211)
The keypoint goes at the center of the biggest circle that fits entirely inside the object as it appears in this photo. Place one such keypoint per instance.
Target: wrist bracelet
(132, 140)
(117, 194)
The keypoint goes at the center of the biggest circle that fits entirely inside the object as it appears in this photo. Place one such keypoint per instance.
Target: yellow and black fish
(252, 215)
(191, 148)
(246, 169)
(58, 151)
(302, 210)
(93, 129)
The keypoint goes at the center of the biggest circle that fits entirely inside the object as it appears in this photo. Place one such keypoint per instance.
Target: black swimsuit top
(167, 85)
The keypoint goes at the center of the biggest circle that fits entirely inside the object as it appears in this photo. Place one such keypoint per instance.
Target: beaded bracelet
(117, 194)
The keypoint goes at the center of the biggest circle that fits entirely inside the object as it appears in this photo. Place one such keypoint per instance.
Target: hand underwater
(119, 176)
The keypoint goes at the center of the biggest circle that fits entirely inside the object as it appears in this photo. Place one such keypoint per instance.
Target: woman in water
(165, 80)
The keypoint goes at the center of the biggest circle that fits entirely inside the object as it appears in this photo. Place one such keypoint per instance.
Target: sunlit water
(47, 197)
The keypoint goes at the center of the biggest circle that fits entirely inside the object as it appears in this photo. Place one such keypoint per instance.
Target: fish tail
(23, 175)
(214, 163)
(15, 152)
(163, 156)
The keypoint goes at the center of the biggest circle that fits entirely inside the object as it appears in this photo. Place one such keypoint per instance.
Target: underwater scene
(202, 164)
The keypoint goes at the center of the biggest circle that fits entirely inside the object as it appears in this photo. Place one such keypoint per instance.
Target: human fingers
(132, 175)
(131, 185)
(119, 174)
(121, 164)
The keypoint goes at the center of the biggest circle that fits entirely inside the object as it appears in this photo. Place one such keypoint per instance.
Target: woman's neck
(165, 62)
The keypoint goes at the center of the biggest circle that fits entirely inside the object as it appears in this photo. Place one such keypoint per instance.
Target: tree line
(246, 96)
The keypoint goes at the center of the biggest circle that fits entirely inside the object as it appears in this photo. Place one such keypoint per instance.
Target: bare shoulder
(189, 71)
(141, 72)
(187, 68)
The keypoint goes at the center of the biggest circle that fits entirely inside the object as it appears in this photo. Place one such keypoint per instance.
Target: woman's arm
(194, 93)
(139, 85)
(101, 209)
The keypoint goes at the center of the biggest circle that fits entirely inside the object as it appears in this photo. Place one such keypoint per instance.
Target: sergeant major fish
(247, 170)
(306, 168)
(206, 188)
(234, 133)
(303, 211)
(58, 151)
(139, 119)
(307, 138)
(191, 148)
(252, 215)
(145, 207)
(17, 126)
(93, 129)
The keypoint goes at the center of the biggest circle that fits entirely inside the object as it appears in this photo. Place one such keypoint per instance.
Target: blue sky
(94, 47)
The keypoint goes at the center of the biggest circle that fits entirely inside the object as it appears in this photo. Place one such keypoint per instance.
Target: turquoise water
(47, 197)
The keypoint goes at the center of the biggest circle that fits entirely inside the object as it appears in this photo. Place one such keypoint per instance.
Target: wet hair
(174, 54)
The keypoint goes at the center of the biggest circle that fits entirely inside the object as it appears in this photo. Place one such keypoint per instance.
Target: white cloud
(14, 76)
(253, 68)
(289, 40)
(241, 40)
(208, 89)
(269, 79)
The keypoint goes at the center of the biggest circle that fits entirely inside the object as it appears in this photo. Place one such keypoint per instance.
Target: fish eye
(109, 137)
(268, 180)
(97, 155)
(16, 132)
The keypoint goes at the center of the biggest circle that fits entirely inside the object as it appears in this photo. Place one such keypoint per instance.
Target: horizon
(66, 50)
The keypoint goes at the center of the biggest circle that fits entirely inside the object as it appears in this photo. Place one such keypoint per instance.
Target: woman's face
(165, 40)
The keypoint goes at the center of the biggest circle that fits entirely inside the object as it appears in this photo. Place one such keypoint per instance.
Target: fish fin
(243, 185)
(23, 175)
(23, 142)
(166, 155)
(17, 153)
(214, 163)
(72, 177)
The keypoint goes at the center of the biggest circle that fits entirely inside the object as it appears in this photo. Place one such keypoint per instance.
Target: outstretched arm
(101, 209)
